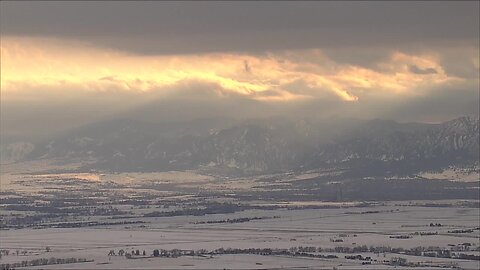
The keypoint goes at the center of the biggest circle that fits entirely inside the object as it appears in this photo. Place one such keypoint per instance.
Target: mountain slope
(365, 148)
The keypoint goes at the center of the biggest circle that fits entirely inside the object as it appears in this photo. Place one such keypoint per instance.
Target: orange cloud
(58, 63)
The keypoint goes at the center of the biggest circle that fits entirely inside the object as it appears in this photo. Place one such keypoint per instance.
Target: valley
(108, 220)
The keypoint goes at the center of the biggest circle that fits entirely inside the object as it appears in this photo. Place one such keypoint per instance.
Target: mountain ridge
(258, 146)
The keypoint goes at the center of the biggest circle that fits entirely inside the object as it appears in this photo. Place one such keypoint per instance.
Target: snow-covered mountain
(375, 147)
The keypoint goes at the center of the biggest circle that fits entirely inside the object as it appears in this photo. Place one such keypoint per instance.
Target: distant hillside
(364, 148)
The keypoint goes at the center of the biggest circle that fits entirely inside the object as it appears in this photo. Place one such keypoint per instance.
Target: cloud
(29, 113)
(50, 85)
(417, 70)
(437, 104)
(46, 63)
(161, 28)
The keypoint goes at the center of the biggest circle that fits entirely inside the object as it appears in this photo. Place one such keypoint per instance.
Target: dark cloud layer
(190, 27)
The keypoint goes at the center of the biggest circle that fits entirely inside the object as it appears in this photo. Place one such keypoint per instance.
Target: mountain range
(260, 146)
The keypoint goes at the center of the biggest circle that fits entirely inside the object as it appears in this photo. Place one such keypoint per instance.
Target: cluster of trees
(174, 253)
(294, 252)
(6, 252)
(461, 231)
(358, 257)
(463, 247)
(234, 220)
(400, 236)
(426, 252)
(425, 233)
(305, 251)
(416, 251)
(48, 214)
(123, 252)
(309, 251)
(372, 212)
(43, 261)
(338, 240)
(87, 224)
(398, 261)
(19, 222)
(213, 208)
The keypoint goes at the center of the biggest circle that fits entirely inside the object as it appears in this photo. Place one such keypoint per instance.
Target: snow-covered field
(312, 227)
(103, 212)
(454, 174)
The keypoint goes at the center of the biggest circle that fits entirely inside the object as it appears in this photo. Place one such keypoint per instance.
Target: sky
(64, 64)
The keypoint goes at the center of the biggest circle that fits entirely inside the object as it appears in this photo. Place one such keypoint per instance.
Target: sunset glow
(72, 65)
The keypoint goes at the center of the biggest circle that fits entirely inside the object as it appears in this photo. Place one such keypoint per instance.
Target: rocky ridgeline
(259, 147)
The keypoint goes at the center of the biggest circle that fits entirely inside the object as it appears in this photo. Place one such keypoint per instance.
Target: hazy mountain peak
(262, 145)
